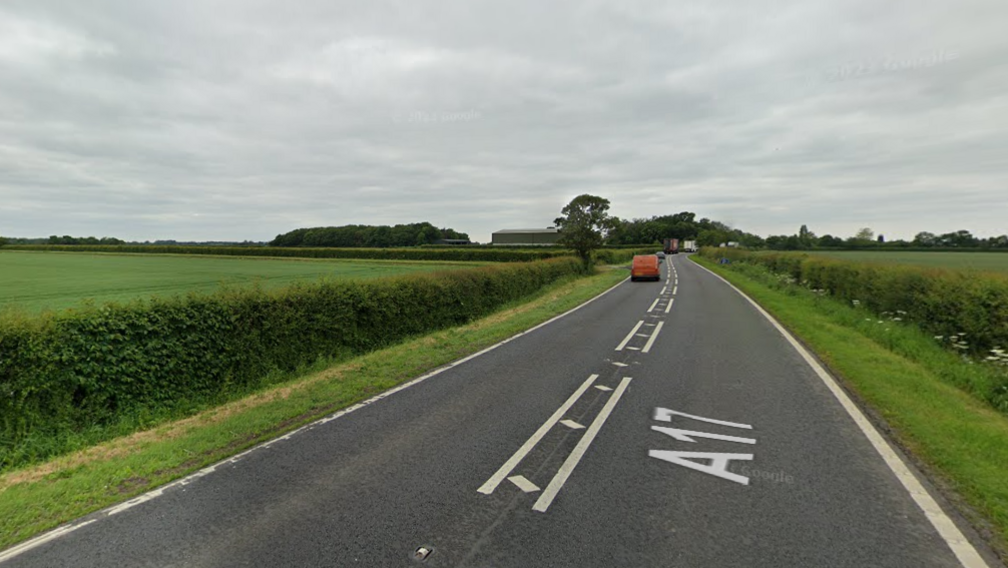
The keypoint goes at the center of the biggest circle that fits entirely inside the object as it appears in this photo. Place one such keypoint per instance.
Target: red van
(645, 267)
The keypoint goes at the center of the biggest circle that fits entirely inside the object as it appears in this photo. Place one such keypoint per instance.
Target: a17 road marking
(719, 462)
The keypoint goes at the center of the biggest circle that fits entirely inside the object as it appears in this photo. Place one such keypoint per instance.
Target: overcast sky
(234, 120)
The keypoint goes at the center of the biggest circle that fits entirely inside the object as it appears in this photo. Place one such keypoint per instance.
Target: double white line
(650, 341)
(575, 456)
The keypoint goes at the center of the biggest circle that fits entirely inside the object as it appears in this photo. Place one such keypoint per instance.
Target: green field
(37, 281)
(985, 261)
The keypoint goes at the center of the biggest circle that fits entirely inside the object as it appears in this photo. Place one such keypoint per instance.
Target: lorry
(689, 246)
(671, 246)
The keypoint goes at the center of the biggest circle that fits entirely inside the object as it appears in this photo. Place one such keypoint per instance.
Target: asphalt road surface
(663, 424)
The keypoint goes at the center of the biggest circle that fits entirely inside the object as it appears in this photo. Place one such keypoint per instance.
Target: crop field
(984, 261)
(38, 281)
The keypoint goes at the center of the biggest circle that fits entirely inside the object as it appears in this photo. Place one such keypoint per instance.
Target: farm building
(544, 237)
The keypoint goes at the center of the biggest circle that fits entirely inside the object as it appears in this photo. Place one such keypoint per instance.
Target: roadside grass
(38, 498)
(921, 391)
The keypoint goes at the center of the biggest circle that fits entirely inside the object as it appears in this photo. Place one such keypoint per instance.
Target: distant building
(514, 237)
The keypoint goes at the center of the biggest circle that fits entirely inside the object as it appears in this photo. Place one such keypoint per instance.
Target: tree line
(411, 234)
(866, 238)
(683, 226)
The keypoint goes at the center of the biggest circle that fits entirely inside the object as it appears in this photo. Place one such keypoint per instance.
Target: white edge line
(120, 507)
(30, 544)
(557, 483)
(651, 340)
(956, 541)
(488, 487)
(629, 336)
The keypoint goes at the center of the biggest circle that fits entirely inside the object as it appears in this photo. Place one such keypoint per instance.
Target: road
(663, 424)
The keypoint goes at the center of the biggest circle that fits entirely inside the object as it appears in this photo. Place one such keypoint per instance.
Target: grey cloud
(241, 120)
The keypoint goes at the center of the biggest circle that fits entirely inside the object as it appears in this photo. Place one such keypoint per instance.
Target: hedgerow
(68, 371)
(972, 306)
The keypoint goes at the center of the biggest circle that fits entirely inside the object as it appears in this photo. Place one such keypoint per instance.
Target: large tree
(584, 224)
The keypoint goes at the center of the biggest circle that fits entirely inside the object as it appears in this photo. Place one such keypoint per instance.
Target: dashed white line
(669, 306)
(675, 290)
(575, 456)
(571, 424)
(629, 336)
(651, 340)
(495, 479)
(655, 303)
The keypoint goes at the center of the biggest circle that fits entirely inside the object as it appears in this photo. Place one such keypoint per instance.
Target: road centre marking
(655, 303)
(571, 424)
(956, 541)
(651, 340)
(495, 479)
(575, 456)
(524, 484)
(674, 290)
(602, 388)
(669, 306)
(629, 336)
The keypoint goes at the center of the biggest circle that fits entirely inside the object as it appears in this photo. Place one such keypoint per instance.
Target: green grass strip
(906, 378)
(35, 499)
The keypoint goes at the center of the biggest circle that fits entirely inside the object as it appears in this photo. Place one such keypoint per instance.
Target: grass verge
(919, 390)
(38, 498)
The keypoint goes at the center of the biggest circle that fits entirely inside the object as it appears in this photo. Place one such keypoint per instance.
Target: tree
(925, 239)
(584, 223)
(830, 241)
(865, 234)
(806, 237)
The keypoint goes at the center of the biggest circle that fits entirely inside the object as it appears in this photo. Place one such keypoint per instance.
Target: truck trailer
(671, 246)
(689, 246)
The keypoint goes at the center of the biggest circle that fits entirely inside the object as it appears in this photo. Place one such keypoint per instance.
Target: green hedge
(74, 370)
(972, 306)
